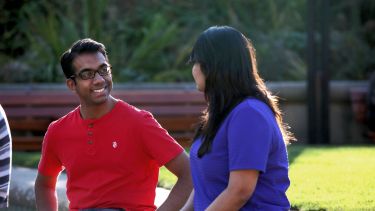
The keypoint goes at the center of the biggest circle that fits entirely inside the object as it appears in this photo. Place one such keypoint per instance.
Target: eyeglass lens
(90, 74)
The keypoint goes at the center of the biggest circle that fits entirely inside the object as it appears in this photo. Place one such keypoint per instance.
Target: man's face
(91, 91)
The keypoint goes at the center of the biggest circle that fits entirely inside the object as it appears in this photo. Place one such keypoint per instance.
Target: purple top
(249, 138)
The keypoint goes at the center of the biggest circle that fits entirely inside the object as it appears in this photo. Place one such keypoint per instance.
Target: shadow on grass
(294, 150)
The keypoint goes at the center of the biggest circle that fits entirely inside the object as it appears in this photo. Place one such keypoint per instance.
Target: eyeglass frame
(108, 67)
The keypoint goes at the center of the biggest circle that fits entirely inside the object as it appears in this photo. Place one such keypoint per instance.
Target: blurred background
(150, 40)
(316, 55)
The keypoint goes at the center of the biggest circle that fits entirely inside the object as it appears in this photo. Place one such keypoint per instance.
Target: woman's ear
(71, 84)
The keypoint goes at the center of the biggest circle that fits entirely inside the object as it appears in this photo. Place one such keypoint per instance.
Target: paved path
(22, 188)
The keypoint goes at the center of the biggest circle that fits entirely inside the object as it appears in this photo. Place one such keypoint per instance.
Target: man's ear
(71, 84)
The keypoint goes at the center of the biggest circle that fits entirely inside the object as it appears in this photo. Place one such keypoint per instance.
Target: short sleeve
(49, 164)
(249, 140)
(157, 142)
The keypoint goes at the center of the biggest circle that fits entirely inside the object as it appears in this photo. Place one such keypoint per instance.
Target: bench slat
(32, 143)
(132, 97)
(29, 124)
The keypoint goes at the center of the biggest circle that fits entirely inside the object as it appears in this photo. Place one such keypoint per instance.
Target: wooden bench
(31, 111)
(359, 103)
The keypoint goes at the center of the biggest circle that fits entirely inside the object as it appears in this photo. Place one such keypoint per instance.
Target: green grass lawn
(322, 177)
(332, 178)
(166, 179)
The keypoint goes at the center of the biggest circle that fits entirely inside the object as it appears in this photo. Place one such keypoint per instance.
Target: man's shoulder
(64, 120)
(132, 111)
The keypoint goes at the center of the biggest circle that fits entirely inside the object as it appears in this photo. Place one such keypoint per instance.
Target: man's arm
(179, 166)
(45, 193)
(189, 205)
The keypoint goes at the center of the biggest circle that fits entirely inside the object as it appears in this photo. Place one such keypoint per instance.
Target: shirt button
(91, 125)
(90, 142)
(89, 133)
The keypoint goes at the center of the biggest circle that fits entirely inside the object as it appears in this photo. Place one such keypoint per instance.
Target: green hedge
(151, 40)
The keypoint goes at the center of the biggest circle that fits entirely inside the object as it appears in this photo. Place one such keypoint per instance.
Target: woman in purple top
(239, 159)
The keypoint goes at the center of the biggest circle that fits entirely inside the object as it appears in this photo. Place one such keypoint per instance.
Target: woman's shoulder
(254, 104)
(252, 107)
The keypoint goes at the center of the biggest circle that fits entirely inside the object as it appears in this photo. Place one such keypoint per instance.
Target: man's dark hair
(82, 46)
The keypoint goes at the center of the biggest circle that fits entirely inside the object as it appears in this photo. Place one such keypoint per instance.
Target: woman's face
(199, 78)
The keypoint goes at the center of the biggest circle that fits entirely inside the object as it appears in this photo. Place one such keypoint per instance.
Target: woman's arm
(240, 188)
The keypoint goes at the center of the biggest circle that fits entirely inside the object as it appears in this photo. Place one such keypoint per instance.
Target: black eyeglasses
(90, 74)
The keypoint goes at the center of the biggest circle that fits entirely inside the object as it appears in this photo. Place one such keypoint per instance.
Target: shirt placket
(90, 139)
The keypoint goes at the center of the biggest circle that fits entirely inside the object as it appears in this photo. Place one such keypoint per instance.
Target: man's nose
(98, 77)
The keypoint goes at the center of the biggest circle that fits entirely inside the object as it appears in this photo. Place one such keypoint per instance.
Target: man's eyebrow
(100, 66)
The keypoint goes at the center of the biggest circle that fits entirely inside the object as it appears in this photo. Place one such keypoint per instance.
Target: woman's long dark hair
(228, 62)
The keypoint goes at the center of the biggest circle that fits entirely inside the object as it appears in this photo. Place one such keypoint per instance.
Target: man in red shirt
(110, 150)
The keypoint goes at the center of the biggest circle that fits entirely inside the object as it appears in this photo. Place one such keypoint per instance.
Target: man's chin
(100, 100)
